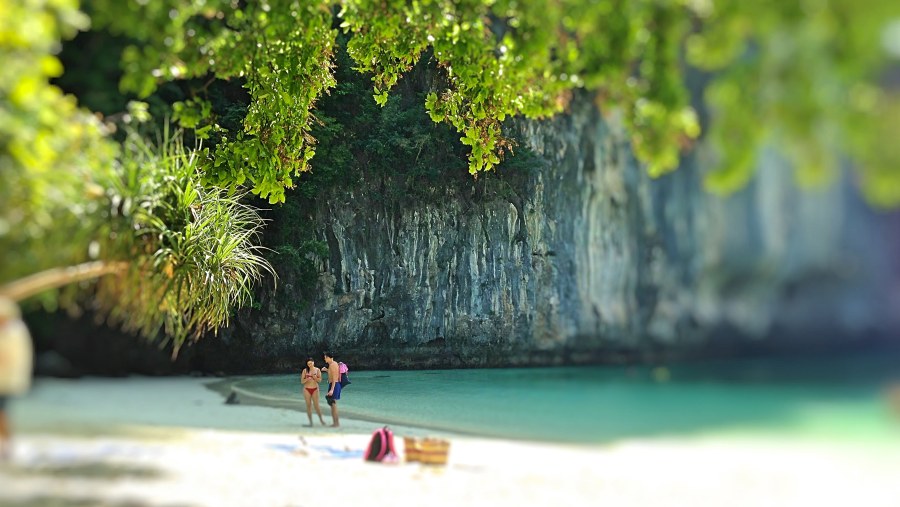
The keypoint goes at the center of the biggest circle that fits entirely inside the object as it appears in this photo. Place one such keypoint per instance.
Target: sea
(837, 398)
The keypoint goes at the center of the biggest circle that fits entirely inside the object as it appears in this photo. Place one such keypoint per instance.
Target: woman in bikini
(310, 378)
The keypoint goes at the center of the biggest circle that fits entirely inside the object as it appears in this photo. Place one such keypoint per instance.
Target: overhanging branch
(29, 286)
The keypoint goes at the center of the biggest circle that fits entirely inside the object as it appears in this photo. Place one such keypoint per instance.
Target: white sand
(172, 442)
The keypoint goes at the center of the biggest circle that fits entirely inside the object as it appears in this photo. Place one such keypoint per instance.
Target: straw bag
(429, 451)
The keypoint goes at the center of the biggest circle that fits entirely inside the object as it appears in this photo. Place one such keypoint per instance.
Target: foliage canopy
(800, 75)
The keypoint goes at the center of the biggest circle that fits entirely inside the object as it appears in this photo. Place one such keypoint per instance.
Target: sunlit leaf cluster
(280, 49)
(807, 79)
(50, 151)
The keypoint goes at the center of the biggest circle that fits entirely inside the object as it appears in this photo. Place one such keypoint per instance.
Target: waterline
(808, 399)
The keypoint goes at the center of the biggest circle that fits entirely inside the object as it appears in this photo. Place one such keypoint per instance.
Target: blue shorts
(336, 396)
(337, 391)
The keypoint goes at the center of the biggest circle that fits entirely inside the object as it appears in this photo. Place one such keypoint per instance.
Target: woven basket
(429, 451)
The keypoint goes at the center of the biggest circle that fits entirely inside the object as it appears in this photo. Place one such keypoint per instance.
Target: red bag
(381, 446)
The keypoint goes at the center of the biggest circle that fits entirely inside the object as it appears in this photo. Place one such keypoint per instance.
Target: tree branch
(29, 286)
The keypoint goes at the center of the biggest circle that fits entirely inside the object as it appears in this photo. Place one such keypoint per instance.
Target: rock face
(578, 257)
(581, 258)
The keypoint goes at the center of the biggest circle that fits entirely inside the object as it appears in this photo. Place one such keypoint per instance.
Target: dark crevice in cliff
(335, 257)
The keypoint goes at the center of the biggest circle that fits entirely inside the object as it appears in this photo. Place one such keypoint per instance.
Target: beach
(174, 442)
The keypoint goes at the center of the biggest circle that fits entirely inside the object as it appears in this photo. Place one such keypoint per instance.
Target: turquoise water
(829, 398)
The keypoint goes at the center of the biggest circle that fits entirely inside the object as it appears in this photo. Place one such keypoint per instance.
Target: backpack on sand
(381, 446)
(345, 379)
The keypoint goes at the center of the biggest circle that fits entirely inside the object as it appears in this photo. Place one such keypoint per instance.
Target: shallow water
(831, 398)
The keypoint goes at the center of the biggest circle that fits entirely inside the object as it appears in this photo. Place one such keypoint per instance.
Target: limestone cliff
(580, 258)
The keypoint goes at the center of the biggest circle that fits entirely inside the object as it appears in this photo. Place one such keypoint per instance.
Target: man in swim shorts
(334, 387)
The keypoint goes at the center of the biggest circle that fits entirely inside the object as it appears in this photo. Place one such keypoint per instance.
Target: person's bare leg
(334, 416)
(318, 409)
(308, 399)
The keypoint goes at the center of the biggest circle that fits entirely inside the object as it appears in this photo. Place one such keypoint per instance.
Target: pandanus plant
(154, 250)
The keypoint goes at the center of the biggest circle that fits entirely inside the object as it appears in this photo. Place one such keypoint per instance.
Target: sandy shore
(173, 442)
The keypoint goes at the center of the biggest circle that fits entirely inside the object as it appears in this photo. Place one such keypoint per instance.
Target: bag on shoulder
(381, 446)
(345, 379)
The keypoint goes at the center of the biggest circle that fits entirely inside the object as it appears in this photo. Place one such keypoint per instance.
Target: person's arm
(317, 375)
(333, 378)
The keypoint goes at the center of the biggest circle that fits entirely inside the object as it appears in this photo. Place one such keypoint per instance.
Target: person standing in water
(334, 387)
(15, 366)
(310, 378)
